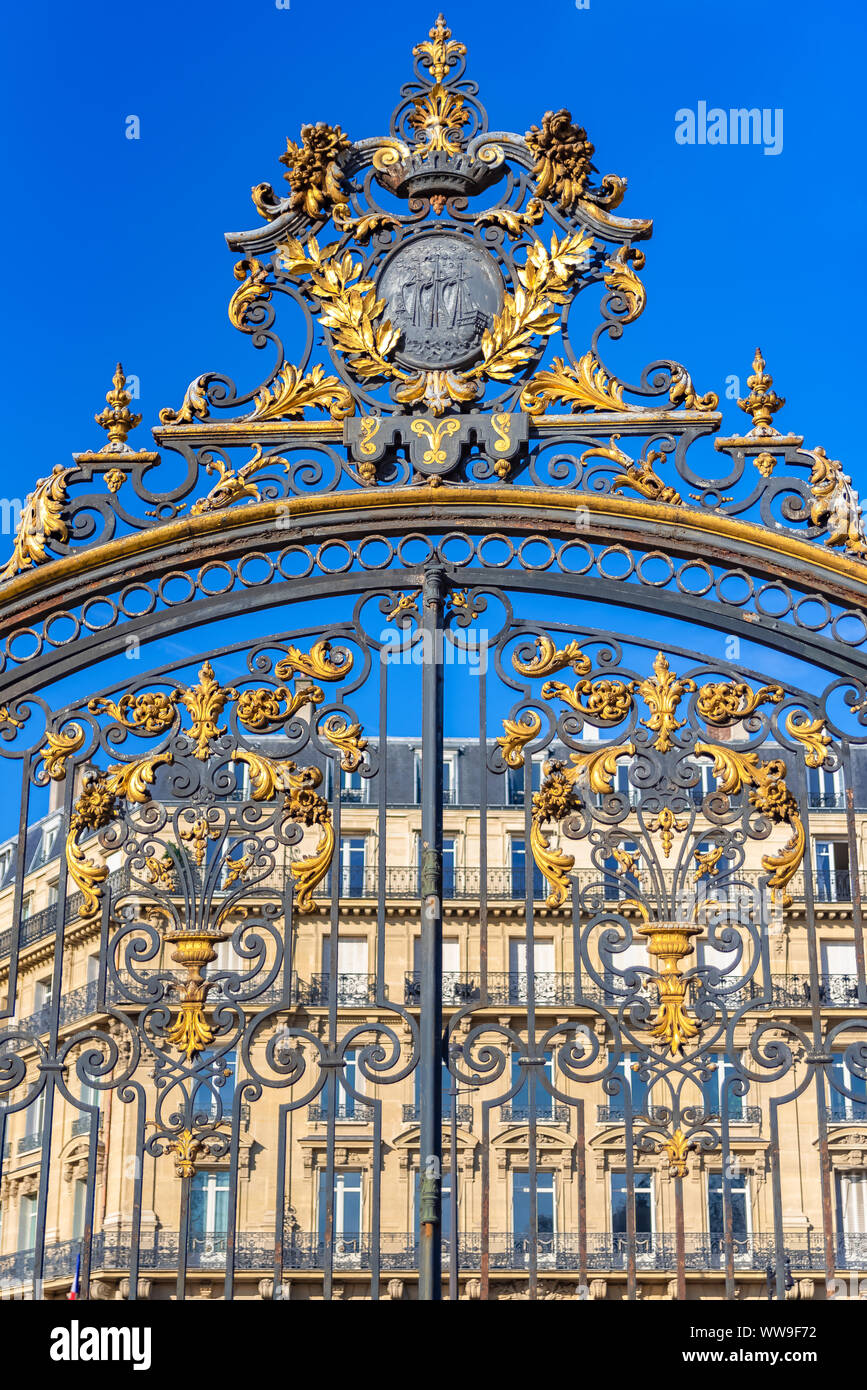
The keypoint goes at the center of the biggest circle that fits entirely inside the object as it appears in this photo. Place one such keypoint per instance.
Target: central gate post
(430, 1029)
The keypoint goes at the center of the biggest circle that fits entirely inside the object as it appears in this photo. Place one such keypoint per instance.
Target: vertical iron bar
(430, 1061)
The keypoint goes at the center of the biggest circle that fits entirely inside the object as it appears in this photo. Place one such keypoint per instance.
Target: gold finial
(762, 403)
(118, 419)
(439, 51)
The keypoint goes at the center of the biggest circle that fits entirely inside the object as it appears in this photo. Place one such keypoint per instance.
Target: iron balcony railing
(600, 1251)
(507, 987)
(545, 1110)
(842, 1111)
(738, 1115)
(464, 1116)
(353, 991)
(29, 1143)
(457, 989)
(347, 1110)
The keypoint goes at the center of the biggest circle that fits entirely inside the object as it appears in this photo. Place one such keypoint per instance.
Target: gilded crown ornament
(762, 403)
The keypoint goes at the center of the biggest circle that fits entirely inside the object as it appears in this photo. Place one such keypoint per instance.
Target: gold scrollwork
(603, 700)
(152, 712)
(812, 734)
(59, 746)
(293, 393)
(41, 523)
(347, 738)
(726, 702)
(513, 223)
(323, 662)
(586, 387)
(640, 476)
(434, 434)
(519, 732)
(622, 277)
(549, 658)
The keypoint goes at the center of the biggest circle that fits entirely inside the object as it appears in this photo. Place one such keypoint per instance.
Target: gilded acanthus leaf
(347, 738)
(549, 658)
(41, 523)
(601, 700)
(595, 771)
(234, 485)
(194, 405)
(438, 118)
(622, 277)
(254, 276)
(812, 734)
(152, 712)
(531, 313)
(519, 732)
(291, 394)
(587, 387)
(323, 662)
(265, 708)
(640, 476)
(725, 702)
(513, 223)
(836, 503)
(58, 747)
(682, 392)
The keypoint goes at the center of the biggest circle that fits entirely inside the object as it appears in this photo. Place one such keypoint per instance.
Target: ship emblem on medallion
(442, 293)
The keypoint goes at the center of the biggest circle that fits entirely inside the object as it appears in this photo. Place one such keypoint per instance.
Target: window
(351, 973)
(42, 994)
(27, 1223)
(740, 1203)
(348, 1108)
(546, 1216)
(213, 1097)
(353, 787)
(544, 977)
(518, 1108)
(352, 856)
(620, 965)
(623, 872)
(33, 1116)
(26, 906)
(519, 872)
(842, 1106)
(209, 1217)
(706, 782)
(346, 1216)
(515, 782)
(623, 786)
(452, 981)
(832, 871)
(633, 1084)
(450, 777)
(825, 789)
(79, 1208)
(839, 972)
(643, 1208)
(852, 1203)
(717, 1095)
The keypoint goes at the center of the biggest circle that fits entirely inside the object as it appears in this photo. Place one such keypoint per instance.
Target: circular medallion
(441, 291)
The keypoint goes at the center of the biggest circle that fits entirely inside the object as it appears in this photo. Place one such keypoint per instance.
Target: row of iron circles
(457, 549)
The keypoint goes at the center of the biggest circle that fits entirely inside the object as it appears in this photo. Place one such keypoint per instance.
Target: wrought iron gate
(436, 865)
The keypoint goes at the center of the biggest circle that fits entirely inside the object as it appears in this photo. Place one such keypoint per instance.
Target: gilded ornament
(666, 825)
(519, 732)
(623, 279)
(586, 387)
(836, 503)
(347, 738)
(193, 407)
(727, 702)
(117, 419)
(186, 1149)
(292, 394)
(812, 733)
(233, 486)
(770, 795)
(313, 168)
(640, 476)
(361, 228)
(603, 700)
(439, 51)
(677, 1148)
(438, 388)
(263, 708)
(322, 662)
(682, 392)
(191, 1032)
(438, 118)
(153, 712)
(669, 942)
(708, 863)
(254, 276)
(41, 523)
(549, 658)
(563, 157)
(662, 693)
(515, 224)
(205, 703)
(434, 435)
(115, 479)
(58, 747)
(762, 403)
(197, 832)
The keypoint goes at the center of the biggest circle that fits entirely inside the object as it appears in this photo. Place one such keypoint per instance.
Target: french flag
(76, 1283)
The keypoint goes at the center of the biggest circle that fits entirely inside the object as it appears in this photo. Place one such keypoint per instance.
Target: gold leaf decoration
(519, 732)
(292, 394)
(438, 118)
(149, 713)
(323, 662)
(233, 486)
(313, 168)
(513, 223)
(770, 795)
(205, 703)
(58, 747)
(263, 708)
(549, 658)
(439, 51)
(41, 523)
(836, 503)
(587, 387)
(193, 407)
(662, 693)
(530, 312)
(812, 734)
(622, 277)
(254, 275)
(726, 702)
(563, 157)
(347, 738)
(603, 700)
(682, 392)
(676, 1149)
(640, 476)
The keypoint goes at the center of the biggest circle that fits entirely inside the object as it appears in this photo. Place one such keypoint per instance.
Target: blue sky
(114, 247)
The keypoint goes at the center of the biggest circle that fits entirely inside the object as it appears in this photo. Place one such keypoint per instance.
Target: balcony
(546, 1112)
(464, 1115)
(843, 1111)
(353, 991)
(457, 989)
(738, 1115)
(511, 988)
(159, 1251)
(348, 1109)
(29, 1143)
